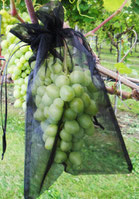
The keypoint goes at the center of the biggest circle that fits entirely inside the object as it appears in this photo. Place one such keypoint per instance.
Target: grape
(65, 146)
(75, 158)
(52, 91)
(78, 135)
(26, 80)
(52, 77)
(23, 75)
(77, 68)
(60, 157)
(92, 108)
(91, 88)
(62, 80)
(44, 137)
(19, 54)
(24, 49)
(84, 121)
(77, 146)
(14, 77)
(90, 131)
(77, 105)
(10, 70)
(46, 100)
(28, 55)
(34, 89)
(67, 93)
(27, 71)
(41, 90)
(78, 89)
(86, 99)
(24, 98)
(58, 102)
(87, 78)
(47, 81)
(71, 127)
(24, 106)
(4, 44)
(51, 130)
(38, 82)
(25, 16)
(18, 103)
(41, 106)
(38, 115)
(55, 113)
(16, 93)
(57, 68)
(77, 77)
(38, 100)
(44, 124)
(70, 114)
(24, 87)
(46, 111)
(42, 73)
(23, 92)
(49, 143)
(65, 136)
(20, 81)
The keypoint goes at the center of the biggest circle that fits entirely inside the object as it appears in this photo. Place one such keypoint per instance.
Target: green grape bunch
(67, 97)
(7, 19)
(18, 66)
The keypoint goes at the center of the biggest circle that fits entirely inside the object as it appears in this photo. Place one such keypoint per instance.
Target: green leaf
(136, 9)
(18, 1)
(137, 2)
(110, 5)
(122, 68)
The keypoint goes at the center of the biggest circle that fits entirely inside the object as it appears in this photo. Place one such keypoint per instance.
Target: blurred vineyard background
(95, 186)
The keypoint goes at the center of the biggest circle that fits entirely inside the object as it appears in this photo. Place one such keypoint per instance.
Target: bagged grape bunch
(70, 124)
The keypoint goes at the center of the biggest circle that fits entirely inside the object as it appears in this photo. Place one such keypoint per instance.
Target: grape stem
(90, 33)
(31, 11)
(14, 12)
(65, 58)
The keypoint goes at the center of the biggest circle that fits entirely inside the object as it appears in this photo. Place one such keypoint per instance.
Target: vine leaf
(18, 1)
(122, 68)
(113, 5)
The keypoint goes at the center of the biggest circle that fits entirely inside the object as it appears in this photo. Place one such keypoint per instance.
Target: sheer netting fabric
(70, 123)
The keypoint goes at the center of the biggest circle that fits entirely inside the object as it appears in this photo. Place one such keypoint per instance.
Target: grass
(117, 186)
(130, 105)
(120, 186)
(108, 60)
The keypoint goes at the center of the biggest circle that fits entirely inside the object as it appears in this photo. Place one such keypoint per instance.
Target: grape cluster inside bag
(70, 123)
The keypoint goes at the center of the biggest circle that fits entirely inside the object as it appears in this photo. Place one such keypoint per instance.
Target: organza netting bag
(70, 124)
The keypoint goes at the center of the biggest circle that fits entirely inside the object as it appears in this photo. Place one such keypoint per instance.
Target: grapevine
(78, 8)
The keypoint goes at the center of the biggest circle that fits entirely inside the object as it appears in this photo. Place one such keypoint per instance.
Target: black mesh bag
(70, 123)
